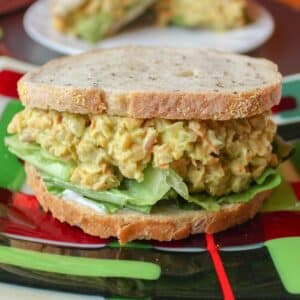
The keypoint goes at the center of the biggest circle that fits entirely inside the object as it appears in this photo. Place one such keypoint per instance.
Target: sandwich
(93, 20)
(150, 143)
(215, 14)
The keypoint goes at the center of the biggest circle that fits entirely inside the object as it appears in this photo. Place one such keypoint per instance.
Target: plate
(37, 23)
(41, 257)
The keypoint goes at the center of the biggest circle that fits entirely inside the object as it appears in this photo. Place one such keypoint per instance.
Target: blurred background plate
(37, 23)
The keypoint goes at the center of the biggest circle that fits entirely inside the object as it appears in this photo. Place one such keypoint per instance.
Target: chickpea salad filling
(137, 164)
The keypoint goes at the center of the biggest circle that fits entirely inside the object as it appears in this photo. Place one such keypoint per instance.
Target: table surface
(283, 47)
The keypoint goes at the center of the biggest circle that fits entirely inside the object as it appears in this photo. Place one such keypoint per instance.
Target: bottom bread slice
(164, 224)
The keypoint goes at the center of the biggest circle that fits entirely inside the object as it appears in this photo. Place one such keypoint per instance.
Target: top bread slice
(145, 82)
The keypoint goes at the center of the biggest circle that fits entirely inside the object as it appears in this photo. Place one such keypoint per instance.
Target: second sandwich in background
(93, 20)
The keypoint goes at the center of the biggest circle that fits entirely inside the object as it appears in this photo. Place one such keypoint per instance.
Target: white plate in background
(37, 23)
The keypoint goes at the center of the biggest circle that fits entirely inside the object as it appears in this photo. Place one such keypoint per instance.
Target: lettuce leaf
(111, 196)
(177, 183)
(58, 188)
(137, 196)
(268, 180)
(39, 158)
(158, 185)
(104, 207)
(133, 194)
(94, 27)
(59, 192)
(145, 193)
(118, 198)
(148, 192)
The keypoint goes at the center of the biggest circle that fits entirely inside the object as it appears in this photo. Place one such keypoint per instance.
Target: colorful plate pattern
(257, 260)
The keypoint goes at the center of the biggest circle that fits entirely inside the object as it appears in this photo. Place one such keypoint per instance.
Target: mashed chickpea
(217, 157)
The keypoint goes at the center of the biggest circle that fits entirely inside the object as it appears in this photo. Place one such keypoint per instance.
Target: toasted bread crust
(135, 82)
(165, 225)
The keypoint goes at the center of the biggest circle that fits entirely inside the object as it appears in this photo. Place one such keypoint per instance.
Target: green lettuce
(138, 196)
(148, 192)
(115, 197)
(268, 180)
(57, 191)
(143, 196)
(39, 158)
(94, 27)
(158, 184)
